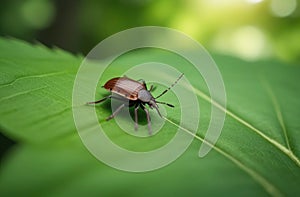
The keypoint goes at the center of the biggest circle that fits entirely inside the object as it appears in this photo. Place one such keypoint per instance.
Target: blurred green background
(251, 30)
(248, 29)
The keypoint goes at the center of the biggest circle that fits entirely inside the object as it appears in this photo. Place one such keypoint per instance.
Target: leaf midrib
(279, 146)
(269, 187)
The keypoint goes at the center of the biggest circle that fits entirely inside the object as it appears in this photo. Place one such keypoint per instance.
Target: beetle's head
(152, 103)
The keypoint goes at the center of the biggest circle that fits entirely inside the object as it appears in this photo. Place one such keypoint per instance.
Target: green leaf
(257, 153)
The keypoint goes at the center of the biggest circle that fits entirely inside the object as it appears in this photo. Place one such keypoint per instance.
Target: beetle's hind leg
(99, 101)
(115, 112)
(148, 119)
(107, 97)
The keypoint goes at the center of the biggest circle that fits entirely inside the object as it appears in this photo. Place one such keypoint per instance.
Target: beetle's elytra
(136, 93)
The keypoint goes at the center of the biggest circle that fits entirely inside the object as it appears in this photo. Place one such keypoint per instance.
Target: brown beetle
(136, 93)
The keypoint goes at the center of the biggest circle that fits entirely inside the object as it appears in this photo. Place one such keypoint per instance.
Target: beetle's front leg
(151, 88)
(143, 82)
(136, 117)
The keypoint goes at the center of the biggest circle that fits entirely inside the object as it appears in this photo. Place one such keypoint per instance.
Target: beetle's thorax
(145, 96)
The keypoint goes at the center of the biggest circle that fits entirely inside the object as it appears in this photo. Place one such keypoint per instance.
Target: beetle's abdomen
(125, 87)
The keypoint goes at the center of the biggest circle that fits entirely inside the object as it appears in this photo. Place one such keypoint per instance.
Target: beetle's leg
(156, 107)
(143, 82)
(115, 112)
(99, 101)
(136, 117)
(148, 119)
(107, 97)
(151, 88)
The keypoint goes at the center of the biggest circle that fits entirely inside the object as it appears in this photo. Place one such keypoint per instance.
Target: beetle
(137, 94)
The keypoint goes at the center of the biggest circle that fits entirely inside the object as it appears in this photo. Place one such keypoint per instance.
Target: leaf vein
(269, 187)
(282, 148)
(31, 76)
(277, 111)
(21, 93)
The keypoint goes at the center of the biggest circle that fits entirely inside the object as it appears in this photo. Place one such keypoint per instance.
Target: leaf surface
(257, 153)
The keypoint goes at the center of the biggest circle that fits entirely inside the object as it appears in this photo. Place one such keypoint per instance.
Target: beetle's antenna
(170, 105)
(166, 90)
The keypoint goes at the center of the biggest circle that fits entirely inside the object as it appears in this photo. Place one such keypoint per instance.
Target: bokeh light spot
(246, 42)
(283, 8)
(254, 1)
(38, 13)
